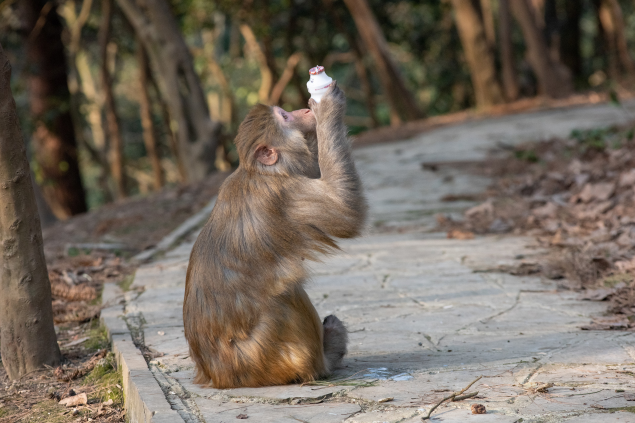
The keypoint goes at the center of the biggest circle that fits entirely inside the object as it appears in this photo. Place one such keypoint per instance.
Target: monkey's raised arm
(334, 203)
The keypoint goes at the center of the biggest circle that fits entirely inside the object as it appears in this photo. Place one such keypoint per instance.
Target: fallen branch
(466, 396)
(457, 396)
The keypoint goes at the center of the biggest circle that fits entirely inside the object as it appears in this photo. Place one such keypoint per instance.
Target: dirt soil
(577, 197)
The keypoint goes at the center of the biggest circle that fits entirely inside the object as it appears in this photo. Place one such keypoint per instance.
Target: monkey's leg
(335, 340)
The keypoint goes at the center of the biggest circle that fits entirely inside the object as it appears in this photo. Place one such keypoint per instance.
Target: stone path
(426, 314)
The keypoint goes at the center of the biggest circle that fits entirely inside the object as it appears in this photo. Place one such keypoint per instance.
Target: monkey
(247, 318)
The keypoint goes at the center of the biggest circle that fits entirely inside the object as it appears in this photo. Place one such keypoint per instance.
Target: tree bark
(478, 54)
(508, 67)
(614, 28)
(54, 142)
(149, 134)
(113, 130)
(399, 97)
(27, 335)
(180, 86)
(488, 22)
(554, 79)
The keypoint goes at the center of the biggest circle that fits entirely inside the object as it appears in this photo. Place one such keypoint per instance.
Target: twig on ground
(457, 396)
(466, 396)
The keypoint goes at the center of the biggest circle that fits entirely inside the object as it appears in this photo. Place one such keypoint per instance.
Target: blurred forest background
(123, 97)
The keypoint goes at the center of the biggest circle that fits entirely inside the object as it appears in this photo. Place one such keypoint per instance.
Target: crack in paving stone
(179, 398)
(516, 301)
(532, 374)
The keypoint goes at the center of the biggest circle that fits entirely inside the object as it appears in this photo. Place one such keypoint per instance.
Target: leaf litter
(576, 196)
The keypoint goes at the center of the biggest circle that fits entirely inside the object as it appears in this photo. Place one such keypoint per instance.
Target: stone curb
(144, 400)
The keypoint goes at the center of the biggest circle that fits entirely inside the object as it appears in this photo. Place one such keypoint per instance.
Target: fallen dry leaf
(599, 192)
(599, 294)
(80, 399)
(459, 234)
(608, 323)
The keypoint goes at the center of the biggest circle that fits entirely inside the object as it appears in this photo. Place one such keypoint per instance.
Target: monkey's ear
(267, 156)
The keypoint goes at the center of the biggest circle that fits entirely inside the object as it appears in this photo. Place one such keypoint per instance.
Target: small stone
(420, 344)
(242, 416)
(160, 333)
(478, 409)
(388, 399)
(619, 390)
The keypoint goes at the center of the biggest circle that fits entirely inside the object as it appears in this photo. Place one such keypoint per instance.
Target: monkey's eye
(284, 115)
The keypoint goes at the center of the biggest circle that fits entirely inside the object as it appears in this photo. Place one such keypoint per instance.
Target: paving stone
(215, 411)
(426, 315)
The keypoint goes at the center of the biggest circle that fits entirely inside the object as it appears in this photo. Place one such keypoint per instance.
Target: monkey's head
(273, 141)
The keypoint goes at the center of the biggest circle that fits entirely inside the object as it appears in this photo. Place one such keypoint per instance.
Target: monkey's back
(247, 318)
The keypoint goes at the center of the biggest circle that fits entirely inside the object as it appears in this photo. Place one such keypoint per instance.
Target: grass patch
(98, 337)
(126, 283)
(106, 381)
(613, 280)
(50, 412)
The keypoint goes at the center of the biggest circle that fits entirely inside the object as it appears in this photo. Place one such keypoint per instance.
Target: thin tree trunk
(54, 142)
(115, 150)
(81, 82)
(149, 135)
(554, 79)
(570, 41)
(478, 53)
(610, 14)
(285, 78)
(508, 67)
(360, 67)
(488, 22)
(228, 104)
(180, 86)
(400, 98)
(258, 54)
(27, 335)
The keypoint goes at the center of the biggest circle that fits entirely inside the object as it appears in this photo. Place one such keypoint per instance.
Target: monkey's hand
(333, 104)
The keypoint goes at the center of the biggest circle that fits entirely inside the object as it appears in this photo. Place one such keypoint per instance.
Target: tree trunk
(400, 98)
(54, 142)
(180, 86)
(149, 135)
(554, 79)
(478, 54)
(113, 130)
(27, 335)
(488, 22)
(228, 115)
(360, 66)
(570, 41)
(613, 26)
(508, 67)
(258, 54)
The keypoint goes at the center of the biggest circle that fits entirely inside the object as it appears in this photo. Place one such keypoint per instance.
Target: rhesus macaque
(247, 318)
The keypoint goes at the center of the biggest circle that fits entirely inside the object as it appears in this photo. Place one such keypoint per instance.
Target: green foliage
(528, 155)
(98, 337)
(107, 380)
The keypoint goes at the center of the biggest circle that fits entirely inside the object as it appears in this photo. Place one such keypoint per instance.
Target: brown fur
(247, 318)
